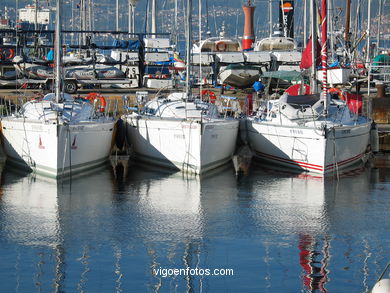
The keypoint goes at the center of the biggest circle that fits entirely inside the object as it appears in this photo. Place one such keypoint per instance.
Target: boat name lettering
(345, 131)
(210, 127)
(189, 126)
(296, 131)
(179, 136)
(77, 128)
(214, 136)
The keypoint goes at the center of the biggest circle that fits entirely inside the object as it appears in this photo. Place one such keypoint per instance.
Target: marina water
(266, 231)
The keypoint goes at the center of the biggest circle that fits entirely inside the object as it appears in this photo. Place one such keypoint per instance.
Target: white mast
(378, 36)
(330, 27)
(154, 21)
(117, 15)
(57, 47)
(176, 33)
(200, 39)
(90, 16)
(304, 22)
(324, 53)
(270, 17)
(188, 48)
(36, 15)
(132, 4)
(313, 21)
(368, 34)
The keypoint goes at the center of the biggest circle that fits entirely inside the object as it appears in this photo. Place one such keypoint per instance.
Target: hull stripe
(331, 166)
(308, 165)
(292, 162)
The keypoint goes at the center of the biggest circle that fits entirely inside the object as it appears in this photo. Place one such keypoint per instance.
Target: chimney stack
(249, 36)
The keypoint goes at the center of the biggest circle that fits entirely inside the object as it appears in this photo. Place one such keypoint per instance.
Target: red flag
(306, 61)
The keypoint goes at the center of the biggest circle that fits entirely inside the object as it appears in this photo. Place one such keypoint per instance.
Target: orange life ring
(96, 96)
(7, 54)
(210, 95)
(220, 46)
(336, 91)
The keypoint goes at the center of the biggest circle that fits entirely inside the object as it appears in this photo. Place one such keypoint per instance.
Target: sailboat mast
(270, 17)
(324, 53)
(117, 15)
(304, 21)
(378, 36)
(154, 21)
(57, 46)
(368, 51)
(176, 28)
(188, 47)
(200, 39)
(313, 28)
(36, 15)
(347, 22)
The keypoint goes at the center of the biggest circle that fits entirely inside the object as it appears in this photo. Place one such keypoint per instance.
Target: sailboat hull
(188, 145)
(309, 149)
(56, 150)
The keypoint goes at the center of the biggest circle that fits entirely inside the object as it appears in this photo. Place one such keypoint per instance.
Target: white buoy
(382, 286)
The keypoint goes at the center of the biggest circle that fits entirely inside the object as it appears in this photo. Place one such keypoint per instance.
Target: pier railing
(380, 73)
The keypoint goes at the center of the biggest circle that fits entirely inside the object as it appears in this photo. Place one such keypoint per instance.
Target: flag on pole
(306, 60)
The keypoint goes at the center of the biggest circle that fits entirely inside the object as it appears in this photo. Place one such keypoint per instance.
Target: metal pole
(188, 48)
(347, 21)
(313, 22)
(331, 15)
(16, 12)
(200, 39)
(117, 16)
(368, 51)
(57, 51)
(154, 20)
(36, 16)
(129, 20)
(324, 54)
(304, 22)
(176, 34)
(378, 36)
(270, 17)
(90, 18)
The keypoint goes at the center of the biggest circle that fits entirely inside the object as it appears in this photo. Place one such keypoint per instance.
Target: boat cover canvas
(285, 75)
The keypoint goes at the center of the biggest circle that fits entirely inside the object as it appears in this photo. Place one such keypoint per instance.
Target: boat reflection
(308, 206)
(126, 227)
(69, 220)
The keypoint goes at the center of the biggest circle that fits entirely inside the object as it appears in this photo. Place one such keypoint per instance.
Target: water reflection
(110, 231)
(310, 207)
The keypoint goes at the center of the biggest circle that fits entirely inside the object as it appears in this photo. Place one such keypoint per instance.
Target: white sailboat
(310, 132)
(180, 132)
(57, 135)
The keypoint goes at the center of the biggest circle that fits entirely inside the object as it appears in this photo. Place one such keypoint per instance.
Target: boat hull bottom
(53, 173)
(302, 166)
(178, 166)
